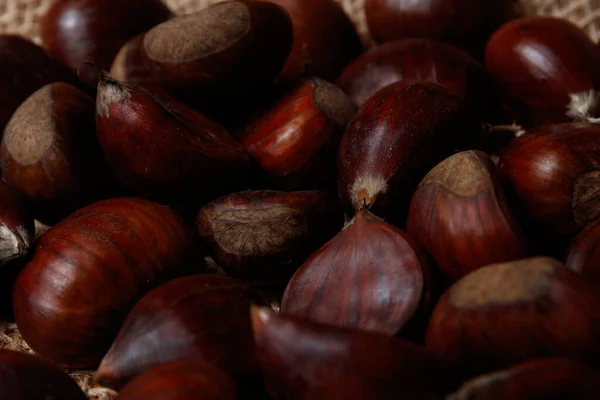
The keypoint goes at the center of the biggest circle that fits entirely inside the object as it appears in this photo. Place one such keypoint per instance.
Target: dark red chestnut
(89, 270)
(553, 171)
(17, 227)
(584, 254)
(28, 377)
(371, 276)
(25, 68)
(225, 50)
(78, 31)
(394, 139)
(51, 154)
(196, 318)
(181, 381)
(548, 69)
(167, 152)
(324, 39)
(549, 379)
(295, 141)
(264, 236)
(507, 313)
(459, 214)
(301, 359)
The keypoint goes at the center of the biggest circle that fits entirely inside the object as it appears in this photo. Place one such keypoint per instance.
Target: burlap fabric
(22, 16)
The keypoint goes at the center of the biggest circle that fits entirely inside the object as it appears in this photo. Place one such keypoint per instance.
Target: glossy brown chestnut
(553, 171)
(295, 141)
(89, 270)
(324, 39)
(584, 254)
(78, 31)
(24, 69)
(371, 276)
(16, 224)
(548, 69)
(468, 23)
(550, 379)
(181, 381)
(460, 216)
(195, 318)
(301, 359)
(51, 154)
(264, 236)
(28, 377)
(394, 139)
(165, 152)
(225, 50)
(507, 313)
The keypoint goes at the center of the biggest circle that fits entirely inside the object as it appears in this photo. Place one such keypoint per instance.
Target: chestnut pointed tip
(584, 106)
(366, 189)
(106, 375)
(13, 243)
(110, 91)
(260, 317)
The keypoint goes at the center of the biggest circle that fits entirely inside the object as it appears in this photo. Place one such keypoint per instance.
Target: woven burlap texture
(22, 16)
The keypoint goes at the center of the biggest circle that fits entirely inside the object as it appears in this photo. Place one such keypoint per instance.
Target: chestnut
(395, 138)
(548, 379)
(194, 318)
(78, 31)
(371, 276)
(17, 226)
(301, 359)
(181, 381)
(167, 152)
(51, 154)
(295, 141)
(508, 313)
(552, 173)
(324, 39)
(28, 377)
(264, 236)
(90, 269)
(460, 216)
(548, 70)
(25, 68)
(223, 51)
(584, 253)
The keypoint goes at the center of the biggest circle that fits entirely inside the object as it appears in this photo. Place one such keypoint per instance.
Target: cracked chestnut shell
(508, 313)
(547, 68)
(264, 236)
(194, 318)
(301, 359)
(50, 153)
(29, 377)
(181, 381)
(552, 172)
(460, 216)
(89, 270)
(371, 276)
(550, 379)
(397, 135)
(296, 140)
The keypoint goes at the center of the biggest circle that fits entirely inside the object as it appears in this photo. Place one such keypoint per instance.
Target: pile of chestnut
(244, 203)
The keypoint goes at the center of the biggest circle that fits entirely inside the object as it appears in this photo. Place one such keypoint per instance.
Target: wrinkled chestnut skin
(551, 379)
(584, 254)
(29, 377)
(51, 154)
(264, 236)
(460, 216)
(195, 318)
(324, 39)
(392, 271)
(539, 63)
(552, 174)
(467, 23)
(181, 381)
(78, 31)
(295, 141)
(231, 49)
(16, 224)
(301, 359)
(167, 152)
(25, 68)
(89, 270)
(395, 138)
(507, 313)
